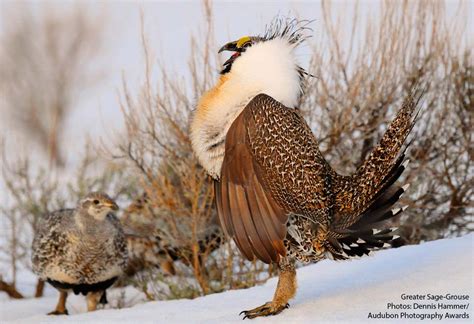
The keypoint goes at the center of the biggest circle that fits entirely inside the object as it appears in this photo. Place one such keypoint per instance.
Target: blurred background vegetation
(176, 245)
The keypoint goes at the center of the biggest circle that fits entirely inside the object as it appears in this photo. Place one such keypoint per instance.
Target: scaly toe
(56, 312)
(266, 309)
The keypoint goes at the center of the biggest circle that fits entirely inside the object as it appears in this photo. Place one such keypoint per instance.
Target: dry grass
(179, 193)
(43, 65)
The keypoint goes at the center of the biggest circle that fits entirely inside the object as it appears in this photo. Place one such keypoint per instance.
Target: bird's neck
(87, 223)
(267, 67)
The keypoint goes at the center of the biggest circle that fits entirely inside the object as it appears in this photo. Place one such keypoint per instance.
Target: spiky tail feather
(361, 243)
(359, 194)
(364, 235)
(366, 199)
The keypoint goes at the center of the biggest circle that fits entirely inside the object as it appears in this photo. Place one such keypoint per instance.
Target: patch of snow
(328, 292)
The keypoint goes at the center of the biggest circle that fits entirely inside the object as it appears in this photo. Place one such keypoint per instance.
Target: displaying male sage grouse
(276, 195)
(81, 249)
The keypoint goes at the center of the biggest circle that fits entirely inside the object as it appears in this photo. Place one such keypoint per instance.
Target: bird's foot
(267, 309)
(58, 312)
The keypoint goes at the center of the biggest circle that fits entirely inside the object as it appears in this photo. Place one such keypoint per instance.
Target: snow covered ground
(328, 292)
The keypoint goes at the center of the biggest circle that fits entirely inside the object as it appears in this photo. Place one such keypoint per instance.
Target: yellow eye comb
(242, 41)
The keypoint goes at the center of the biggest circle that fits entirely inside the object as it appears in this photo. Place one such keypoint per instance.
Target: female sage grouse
(81, 249)
(276, 195)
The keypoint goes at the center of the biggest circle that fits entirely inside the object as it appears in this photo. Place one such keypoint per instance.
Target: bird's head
(268, 61)
(238, 47)
(292, 31)
(98, 205)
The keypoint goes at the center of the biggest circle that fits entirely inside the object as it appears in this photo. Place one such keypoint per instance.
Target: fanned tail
(366, 199)
(366, 191)
(367, 233)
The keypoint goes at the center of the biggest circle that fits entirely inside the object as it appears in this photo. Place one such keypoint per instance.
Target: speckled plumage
(62, 251)
(77, 248)
(270, 147)
(148, 244)
(276, 195)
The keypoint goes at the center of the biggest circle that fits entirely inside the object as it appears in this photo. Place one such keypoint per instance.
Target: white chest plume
(266, 67)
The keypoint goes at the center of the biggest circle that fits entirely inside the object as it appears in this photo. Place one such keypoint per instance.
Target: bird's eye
(248, 44)
(96, 202)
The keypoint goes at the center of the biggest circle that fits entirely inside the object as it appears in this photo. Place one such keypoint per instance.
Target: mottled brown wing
(272, 167)
(247, 211)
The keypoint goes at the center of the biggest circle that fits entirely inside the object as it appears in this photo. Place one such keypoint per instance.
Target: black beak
(232, 46)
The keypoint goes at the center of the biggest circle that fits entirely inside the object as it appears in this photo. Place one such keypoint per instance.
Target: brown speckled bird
(146, 248)
(276, 195)
(150, 246)
(82, 250)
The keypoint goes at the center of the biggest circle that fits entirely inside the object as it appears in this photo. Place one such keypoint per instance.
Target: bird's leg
(93, 298)
(286, 289)
(61, 306)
